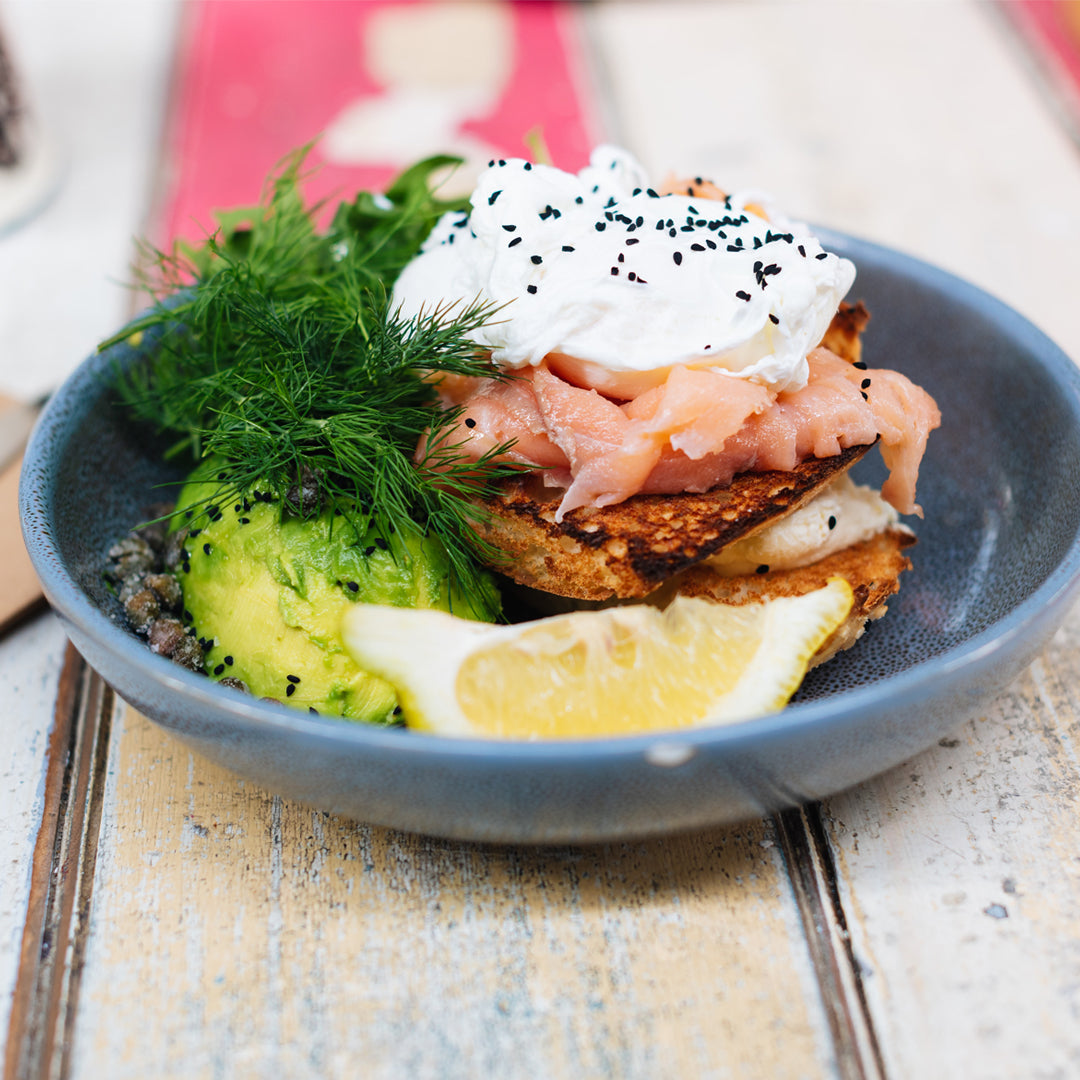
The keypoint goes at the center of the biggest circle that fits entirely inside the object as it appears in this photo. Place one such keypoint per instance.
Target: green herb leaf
(284, 360)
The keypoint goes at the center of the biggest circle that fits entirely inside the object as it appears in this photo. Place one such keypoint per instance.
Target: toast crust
(629, 549)
(872, 568)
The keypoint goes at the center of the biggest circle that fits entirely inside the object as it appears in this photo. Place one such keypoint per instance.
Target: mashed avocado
(266, 591)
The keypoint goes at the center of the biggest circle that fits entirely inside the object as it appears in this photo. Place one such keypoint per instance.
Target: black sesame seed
(219, 669)
(352, 586)
(229, 661)
(622, 257)
(614, 271)
(311, 708)
(530, 288)
(513, 243)
(773, 319)
(633, 240)
(493, 196)
(567, 247)
(290, 690)
(762, 569)
(709, 244)
(802, 251)
(293, 678)
(536, 260)
(579, 200)
(369, 551)
(652, 194)
(600, 226)
(865, 383)
(832, 522)
(697, 247)
(632, 276)
(528, 165)
(860, 365)
(822, 255)
(865, 395)
(677, 256)
(470, 422)
(381, 544)
(244, 521)
(743, 295)
(510, 228)
(206, 548)
(673, 232)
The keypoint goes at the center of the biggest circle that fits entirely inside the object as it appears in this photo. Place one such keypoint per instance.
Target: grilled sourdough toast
(872, 568)
(629, 549)
(655, 547)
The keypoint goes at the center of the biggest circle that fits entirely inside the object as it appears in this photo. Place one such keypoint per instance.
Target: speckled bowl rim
(1033, 618)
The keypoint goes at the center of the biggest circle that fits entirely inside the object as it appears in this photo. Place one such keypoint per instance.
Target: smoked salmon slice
(699, 429)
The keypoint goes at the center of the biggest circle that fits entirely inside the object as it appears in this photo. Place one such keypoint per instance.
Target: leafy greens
(280, 356)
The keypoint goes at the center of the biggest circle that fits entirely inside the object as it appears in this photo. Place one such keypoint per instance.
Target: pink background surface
(256, 79)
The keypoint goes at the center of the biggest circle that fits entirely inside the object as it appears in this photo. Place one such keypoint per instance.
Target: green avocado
(268, 590)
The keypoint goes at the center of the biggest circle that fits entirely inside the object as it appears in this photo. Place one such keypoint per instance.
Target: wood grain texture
(235, 933)
(30, 663)
(960, 875)
(45, 1001)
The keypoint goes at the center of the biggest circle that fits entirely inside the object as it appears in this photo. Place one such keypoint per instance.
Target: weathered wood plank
(30, 662)
(234, 932)
(45, 1001)
(961, 881)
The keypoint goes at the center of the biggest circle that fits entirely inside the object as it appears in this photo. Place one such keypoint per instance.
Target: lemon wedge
(612, 672)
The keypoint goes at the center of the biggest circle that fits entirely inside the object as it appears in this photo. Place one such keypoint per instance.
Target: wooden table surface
(162, 918)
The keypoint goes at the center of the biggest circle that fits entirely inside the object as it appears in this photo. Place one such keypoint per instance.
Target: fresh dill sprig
(280, 356)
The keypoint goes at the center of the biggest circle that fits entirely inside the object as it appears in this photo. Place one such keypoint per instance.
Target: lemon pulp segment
(617, 671)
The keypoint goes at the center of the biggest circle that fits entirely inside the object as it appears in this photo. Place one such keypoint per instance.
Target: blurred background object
(96, 75)
(28, 166)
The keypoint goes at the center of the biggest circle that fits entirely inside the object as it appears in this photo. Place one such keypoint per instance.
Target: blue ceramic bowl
(995, 572)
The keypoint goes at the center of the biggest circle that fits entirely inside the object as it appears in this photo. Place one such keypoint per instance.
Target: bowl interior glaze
(995, 571)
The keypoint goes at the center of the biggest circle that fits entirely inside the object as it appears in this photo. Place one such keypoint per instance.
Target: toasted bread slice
(872, 568)
(844, 336)
(629, 549)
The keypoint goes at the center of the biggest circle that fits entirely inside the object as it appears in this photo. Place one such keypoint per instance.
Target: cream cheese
(844, 513)
(598, 267)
